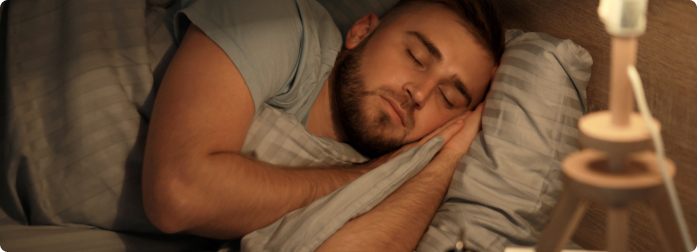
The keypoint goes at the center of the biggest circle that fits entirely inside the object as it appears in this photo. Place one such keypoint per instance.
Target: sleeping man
(421, 71)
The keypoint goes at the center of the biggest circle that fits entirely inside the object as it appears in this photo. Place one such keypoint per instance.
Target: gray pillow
(505, 187)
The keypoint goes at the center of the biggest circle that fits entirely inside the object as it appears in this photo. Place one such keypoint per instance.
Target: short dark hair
(481, 18)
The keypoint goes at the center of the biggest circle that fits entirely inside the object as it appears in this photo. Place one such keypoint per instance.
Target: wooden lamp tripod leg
(565, 219)
(617, 228)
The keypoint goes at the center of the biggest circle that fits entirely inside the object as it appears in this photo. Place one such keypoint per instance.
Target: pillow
(505, 187)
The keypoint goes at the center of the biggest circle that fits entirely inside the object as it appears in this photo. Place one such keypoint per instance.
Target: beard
(367, 131)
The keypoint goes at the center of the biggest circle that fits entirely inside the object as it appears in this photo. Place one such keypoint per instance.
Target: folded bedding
(75, 117)
(281, 139)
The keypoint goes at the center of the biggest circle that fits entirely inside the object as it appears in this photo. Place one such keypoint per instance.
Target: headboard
(667, 63)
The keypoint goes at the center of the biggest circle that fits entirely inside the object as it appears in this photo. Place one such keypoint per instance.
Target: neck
(323, 119)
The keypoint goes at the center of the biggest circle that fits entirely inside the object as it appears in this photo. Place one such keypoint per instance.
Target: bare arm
(194, 178)
(399, 221)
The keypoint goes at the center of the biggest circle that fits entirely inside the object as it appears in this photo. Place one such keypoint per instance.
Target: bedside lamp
(618, 165)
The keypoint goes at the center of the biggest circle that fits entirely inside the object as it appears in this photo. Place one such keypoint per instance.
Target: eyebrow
(427, 43)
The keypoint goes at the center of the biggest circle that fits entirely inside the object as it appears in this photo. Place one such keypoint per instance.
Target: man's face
(409, 78)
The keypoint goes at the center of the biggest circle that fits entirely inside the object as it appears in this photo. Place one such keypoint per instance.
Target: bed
(72, 171)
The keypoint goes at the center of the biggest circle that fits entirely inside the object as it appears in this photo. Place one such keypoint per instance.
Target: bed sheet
(81, 238)
(77, 94)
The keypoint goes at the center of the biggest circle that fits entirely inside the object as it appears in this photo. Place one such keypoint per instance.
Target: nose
(421, 89)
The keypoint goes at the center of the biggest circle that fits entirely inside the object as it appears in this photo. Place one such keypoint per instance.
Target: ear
(361, 29)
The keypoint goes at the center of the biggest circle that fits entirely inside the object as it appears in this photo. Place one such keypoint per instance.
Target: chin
(378, 134)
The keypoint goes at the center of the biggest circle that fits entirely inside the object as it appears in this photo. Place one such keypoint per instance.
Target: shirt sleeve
(262, 37)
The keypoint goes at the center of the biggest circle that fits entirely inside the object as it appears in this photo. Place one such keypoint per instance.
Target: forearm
(228, 195)
(399, 221)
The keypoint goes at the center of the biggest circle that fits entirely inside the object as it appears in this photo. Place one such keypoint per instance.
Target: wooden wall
(667, 63)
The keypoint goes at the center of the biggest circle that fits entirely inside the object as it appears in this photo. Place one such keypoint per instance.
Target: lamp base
(587, 177)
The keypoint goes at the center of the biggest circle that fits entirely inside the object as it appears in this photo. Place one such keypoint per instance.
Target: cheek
(383, 68)
(428, 120)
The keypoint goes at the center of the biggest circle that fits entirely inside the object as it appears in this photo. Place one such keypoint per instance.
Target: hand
(458, 132)
(460, 142)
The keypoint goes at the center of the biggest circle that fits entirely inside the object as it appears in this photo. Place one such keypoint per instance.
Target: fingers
(450, 129)
(461, 141)
(476, 115)
(444, 127)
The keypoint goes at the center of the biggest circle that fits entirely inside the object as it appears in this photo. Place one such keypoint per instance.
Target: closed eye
(414, 58)
(450, 104)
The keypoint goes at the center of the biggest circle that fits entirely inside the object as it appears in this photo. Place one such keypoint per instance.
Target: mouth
(397, 113)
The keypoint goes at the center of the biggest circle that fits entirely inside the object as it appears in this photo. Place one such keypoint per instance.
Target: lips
(396, 108)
